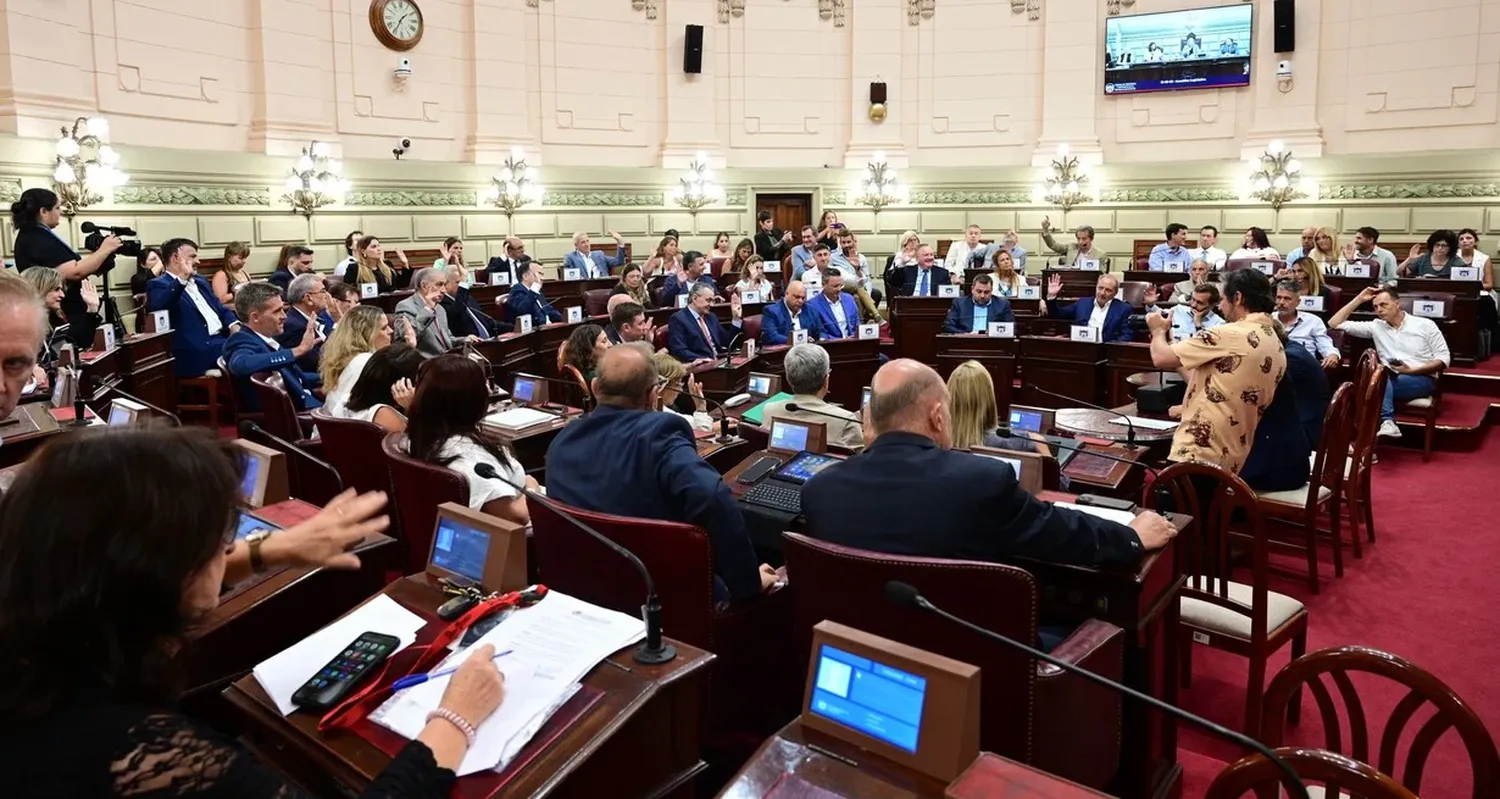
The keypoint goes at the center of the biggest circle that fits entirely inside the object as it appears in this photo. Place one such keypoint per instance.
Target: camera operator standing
(36, 216)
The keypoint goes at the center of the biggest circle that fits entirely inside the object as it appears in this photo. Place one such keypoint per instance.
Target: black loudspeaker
(1285, 23)
(877, 93)
(692, 51)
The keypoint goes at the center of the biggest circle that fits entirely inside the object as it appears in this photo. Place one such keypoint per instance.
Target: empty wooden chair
(1335, 774)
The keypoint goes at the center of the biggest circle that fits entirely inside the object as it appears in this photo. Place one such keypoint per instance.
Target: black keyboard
(776, 497)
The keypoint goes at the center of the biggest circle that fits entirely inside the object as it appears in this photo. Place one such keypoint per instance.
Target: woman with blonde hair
(681, 394)
(976, 416)
(1325, 251)
(369, 265)
(233, 274)
(1008, 282)
(363, 330)
(754, 279)
(48, 285)
(895, 266)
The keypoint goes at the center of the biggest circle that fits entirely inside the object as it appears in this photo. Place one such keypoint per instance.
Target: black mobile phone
(757, 470)
(334, 681)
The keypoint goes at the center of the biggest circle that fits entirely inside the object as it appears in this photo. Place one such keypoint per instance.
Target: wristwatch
(254, 540)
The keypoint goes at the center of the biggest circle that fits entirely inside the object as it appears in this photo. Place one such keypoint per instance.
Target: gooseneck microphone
(653, 651)
(1129, 425)
(724, 437)
(907, 596)
(292, 449)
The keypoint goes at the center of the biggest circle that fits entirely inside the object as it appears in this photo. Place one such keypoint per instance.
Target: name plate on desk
(1030, 292)
(1311, 304)
(1428, 308)
(159, 322)
(1002, 330)
(868, 331)
(750, 296)
(949, 290)
(748, 349)
(368, 291)
(799, 336)
(499, 278)
(104, 338)
(1173, 266)
(572, 273)
(1265, 266)
(575, 315)
(682, 300)
(1087, 333)
(1087, 265)
(1359, 270)
(771, 266)
(1465, 273)
(524, 324)
(813, 282)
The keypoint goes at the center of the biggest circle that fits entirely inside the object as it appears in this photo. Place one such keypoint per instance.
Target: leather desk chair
(751, 326)
(279, 417)
(353, 447)
(1034, 713)
(418, 488)
(596, 302)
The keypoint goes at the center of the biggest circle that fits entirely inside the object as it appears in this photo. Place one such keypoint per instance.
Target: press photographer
(36, 216)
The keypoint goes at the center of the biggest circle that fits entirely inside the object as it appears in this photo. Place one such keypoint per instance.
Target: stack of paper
(518, 418)
(1141, 421)
(1124, 517)
(553, 644)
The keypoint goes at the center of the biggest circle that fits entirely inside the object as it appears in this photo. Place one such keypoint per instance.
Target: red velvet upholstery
(751, 326)
(353, 447)
(659, 338)
(596, 302)
(279, 418)
(501, 311)
(1133, 292)
(418, 488)
(1041, 716)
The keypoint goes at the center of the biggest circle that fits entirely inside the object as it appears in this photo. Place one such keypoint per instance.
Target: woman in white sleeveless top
(384, 389)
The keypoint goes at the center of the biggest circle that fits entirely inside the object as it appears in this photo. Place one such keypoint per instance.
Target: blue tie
(922, 283)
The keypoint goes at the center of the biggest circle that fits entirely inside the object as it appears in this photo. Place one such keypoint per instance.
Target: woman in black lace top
(112, 544)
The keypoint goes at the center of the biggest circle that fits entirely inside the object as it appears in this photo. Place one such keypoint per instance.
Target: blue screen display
(249, 524)
(1190, 49)
(788, 437)
(869, 697)
(760, 384)
(460, 549)
(525, 389)
(252, 474)
(801, 468)
(1027, 421)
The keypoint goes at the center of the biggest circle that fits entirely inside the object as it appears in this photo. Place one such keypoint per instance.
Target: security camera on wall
(401, 147)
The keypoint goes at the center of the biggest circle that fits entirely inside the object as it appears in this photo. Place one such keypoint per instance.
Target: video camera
(130, 247)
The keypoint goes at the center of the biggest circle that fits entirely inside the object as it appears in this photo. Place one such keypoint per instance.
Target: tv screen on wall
(1194, 49)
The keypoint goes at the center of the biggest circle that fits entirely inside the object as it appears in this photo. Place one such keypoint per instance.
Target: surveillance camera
(405, 144)
(402, 145)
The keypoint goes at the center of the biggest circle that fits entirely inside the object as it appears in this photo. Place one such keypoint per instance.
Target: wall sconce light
(315, 181)
(879, 186)
(1276, 177)
(1063, 183)
(514, 184)
(698, 189)
(85, 165)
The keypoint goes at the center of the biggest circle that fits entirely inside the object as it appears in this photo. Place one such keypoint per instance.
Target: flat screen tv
(1198, 48)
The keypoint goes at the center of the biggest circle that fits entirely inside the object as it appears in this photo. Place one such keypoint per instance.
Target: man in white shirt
(1303, 328)
(1363, 249)
(200, 323)
(1206, 251)
(857, 281)
(959, 251)
(817, 269)
(1411, 347)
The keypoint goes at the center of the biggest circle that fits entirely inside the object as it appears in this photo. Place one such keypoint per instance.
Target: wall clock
(397, 23)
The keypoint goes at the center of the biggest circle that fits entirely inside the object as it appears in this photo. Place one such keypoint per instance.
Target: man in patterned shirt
(1232, 370)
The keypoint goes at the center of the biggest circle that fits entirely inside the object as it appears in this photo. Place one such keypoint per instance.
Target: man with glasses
(515, 256)
(307, 302)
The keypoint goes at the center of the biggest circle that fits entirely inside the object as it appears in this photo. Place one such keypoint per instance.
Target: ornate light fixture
(879, 187)
(514, 184)
(315, 180)
(1276, 177)
(698, 188)
(85, 165)
(1064, 183)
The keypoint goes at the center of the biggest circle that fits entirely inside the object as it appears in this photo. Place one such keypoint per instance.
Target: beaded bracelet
(456, 720)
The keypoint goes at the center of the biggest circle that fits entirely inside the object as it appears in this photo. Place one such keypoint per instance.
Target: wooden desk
(916, 323)
(566, 293)
(640, 739)
(1073, 368)
(1461, 330)
(97, 369)
(386, 302)
(147, 367)
(852, 364)
(1106, 477)
(725, 379)
(1123, 359)
(28, 427)
(510, 353)
(1075, 282)
(996, 355)
(530, 443)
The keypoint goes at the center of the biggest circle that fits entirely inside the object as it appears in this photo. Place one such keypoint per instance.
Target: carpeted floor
(1426, 590)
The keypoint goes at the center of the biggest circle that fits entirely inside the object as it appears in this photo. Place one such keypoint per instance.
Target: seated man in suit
(200, 323)
(525, 297)
(515, 255)
(593, 264)
(837, 315)
(306, 299)
(628, 322)
(423, 313)
(807, 370)
(974, 313)
(1182, 290)
(465, 316)
(629, 459)
(254, 349)
(299, 261)
(779, 320)
(694, 273)
(923, 278)
(1110, 315)
(694, 334)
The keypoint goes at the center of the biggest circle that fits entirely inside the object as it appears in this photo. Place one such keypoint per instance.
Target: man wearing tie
(254, 349)
(922, 278)
(507, 264)
(780, 321)
(593, 264)
(465, 317)
(200, 323)
(421, 313)
(974, 313)
(525, 297)
(306, 297)
(837, 315)
(694, 333)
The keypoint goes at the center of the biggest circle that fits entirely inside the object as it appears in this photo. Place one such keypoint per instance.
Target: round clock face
(397, 23)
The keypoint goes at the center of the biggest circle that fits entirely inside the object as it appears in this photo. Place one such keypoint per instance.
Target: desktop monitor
(1027, 419)
(264, 481)
(911, 707)
(1196, 48)
(763, 385)
(1029, 466)
(476, 548)
(790, 437)
(529, 390)
(124, 413)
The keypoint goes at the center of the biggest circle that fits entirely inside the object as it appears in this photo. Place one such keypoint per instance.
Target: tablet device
(801, 468)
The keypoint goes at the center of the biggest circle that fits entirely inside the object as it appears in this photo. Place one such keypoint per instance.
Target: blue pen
(412, 680)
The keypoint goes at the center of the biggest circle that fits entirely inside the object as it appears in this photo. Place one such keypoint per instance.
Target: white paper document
(517, 418)
(552, 645)
(1141, 421)
(1122, 516)
(282, 674)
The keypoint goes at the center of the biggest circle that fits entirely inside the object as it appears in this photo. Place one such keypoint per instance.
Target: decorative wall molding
(1407, 191)
(603, 199)
(649, 6)
(409, 199)
(190, 195)
(10, 190)
(918, 10)
(948, 197)
(734, 197)
(1112, 7)
(835, 197)
(1212, 195)
(1033, 10)
(727, 9)
(833, 10)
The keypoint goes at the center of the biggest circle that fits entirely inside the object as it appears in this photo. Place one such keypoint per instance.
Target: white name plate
(1428, 308)
(368, 290)
(1311, 303)
(525, 323)
(572, 273)
(575, 315)
(1002, 330)
(799, 336)
(1087, 333)
(949, 290)
(871, 330)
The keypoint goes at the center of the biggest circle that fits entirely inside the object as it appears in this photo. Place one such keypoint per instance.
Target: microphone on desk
(907, 596)
(1091, 499)
(176, 422)
(292, 449)
(1129, 425)
(727, 351)
(653, 650)
(724, 437)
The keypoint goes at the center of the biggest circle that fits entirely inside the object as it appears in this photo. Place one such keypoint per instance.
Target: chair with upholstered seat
(312, 480)
(1323, 773)
(1427, 409)
(353, 447)
(596, 302)
(1247, 619)
(1035, 713)
(1337, 665)
(418, 488)
(751, 326)
(1369, 383)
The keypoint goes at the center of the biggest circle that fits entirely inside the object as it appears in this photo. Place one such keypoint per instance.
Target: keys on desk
(776, 497)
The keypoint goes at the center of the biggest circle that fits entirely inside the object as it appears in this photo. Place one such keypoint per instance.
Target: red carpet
(1426, 590)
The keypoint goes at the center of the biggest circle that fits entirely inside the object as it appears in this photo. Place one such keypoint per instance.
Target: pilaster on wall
(504, 83)
(1286, 108)
(1072, 39)
(688, 108)
(292, 83)
(875, 32)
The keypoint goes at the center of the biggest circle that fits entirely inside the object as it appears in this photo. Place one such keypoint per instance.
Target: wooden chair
(580, 394)
(1300, 507)
(1369, 383)
(1247, 619)
(1450, 712)
(1339, 776)
(418, 488)
(210, 394)
(313, 480)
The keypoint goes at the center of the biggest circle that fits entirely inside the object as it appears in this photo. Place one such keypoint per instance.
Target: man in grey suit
(422, 312)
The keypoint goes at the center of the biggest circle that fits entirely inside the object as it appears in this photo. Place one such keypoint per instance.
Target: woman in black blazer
(36, 216)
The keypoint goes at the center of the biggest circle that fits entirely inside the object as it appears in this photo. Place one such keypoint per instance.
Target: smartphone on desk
(335, 680)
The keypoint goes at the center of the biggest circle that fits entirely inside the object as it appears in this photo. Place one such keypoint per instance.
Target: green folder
(753, 415)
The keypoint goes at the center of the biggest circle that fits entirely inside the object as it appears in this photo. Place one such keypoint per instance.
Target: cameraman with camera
(36, 216)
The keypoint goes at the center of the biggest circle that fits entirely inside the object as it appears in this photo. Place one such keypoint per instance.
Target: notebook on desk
(755, 415)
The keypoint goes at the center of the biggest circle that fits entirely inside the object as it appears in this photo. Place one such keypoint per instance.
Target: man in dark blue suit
(525, 297)
(694, 333)
(694, 267)
(974, 313)
(200, 323)
(780, 319)
(254, 349)
(836, 312)
(628, 459)
(465, 315)
(923, 278)
(306, 297)
(299, 261)
(1110, 315)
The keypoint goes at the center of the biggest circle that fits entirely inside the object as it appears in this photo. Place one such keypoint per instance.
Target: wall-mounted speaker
(692, 51)
(877, 93)
(1285, 25)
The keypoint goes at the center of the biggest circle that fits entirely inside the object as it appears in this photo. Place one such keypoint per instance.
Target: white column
(1072, 75)
(1286, 107)
(503, 80)
(876, 28)
(689, 110)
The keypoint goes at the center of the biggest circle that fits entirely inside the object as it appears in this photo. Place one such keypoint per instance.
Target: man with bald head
(515, 255)
(780, 320)
(23, 323)
(909, 494)
(1106, 312)
(630, 459)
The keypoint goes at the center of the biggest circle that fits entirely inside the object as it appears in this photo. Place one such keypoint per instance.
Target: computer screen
(1026, 421)
(760, 384)
(251, 478)
(119, 416)
(801, 468)
(1194, 48)
(788, 437)
(460, 549)
(869, 697)
(524, 390)
(249, 524)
